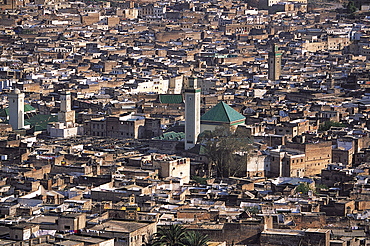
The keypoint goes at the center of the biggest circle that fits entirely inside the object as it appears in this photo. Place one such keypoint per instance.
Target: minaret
(66, 115)
(192, 113)
(66, 126)
(16, 109)
(274, 62)
(329, 81)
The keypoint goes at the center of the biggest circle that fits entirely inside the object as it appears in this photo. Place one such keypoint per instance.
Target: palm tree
(194, 238)
(171, 236)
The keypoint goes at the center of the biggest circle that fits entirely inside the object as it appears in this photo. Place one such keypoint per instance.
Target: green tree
(351, 8)
(321, 186)
(303, 188)
(195, 239)
(328, 124)
(252, 210)
(199, 180)
(226, 150)
(171, 236)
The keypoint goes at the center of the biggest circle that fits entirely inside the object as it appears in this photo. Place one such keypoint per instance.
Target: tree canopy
(226, 150)
(303, 188)
(172, 236)
(328, 124)
(350, 6)
(177, 235)
(193, 238)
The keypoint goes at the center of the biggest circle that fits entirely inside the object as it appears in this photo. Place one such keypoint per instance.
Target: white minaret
(65, 98)
(66, 126)
(192, 113)
(66, 115)
(16, 109)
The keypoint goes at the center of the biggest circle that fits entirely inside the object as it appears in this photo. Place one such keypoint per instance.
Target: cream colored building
(314, 46)
(338, 43)
(173, 166)
(152, 85)
(66, 126)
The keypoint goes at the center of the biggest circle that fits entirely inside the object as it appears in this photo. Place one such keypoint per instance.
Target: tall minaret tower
(192, 113)
(329, 81)
(66, 115)
(274, 62)
(16, 109)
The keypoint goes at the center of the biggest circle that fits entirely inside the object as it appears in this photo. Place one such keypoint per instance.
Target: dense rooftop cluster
(93, 147)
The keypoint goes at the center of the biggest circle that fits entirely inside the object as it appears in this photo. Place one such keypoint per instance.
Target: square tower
(192, 113)
(16, 109)
(66, 115)
(274, 63)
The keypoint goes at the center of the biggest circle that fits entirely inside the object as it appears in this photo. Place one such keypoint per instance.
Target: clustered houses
(95, 142)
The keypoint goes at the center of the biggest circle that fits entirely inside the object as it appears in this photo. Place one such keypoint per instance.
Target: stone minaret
(192, 113)
(16, 109)
(274, 62)
(66, 115)
(329, 81)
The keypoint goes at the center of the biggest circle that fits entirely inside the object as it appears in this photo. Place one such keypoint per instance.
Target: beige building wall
(72, 222)
(338, 43)
(314, 46)
(176, 167)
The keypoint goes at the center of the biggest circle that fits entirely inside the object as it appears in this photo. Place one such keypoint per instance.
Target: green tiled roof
(171, 136)
(41, 121)
(5, 112)
(170, 98)
(223, 113)
(28, 107)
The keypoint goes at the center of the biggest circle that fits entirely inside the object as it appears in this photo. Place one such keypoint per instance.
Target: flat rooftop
(44, 219)
(6, 241)
(86, 240)
(283, 232)
(119, 226)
